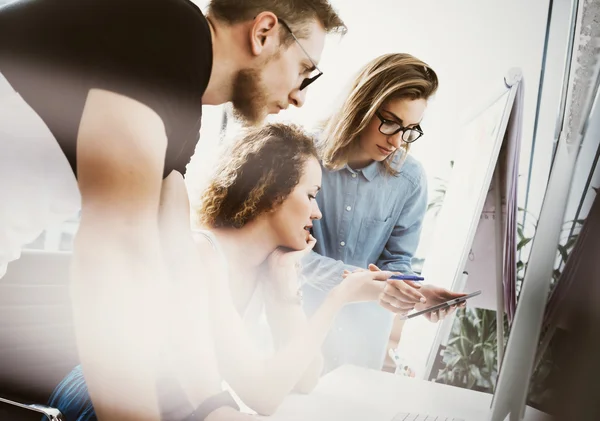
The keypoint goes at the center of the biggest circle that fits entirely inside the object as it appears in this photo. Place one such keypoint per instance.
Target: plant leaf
(523, 243)
(473, 376)
(563, 252)
(571, 242)
(489, 356)
(453, 340)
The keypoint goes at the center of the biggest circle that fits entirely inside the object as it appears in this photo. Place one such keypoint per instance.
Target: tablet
(445, 304)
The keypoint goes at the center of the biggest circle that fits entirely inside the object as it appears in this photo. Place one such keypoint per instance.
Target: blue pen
(407, 277)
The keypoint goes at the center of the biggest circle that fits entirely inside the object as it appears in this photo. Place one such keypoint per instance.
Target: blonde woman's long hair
(387, 77)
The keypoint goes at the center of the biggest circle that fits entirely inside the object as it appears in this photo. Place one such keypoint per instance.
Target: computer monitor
(517, 367)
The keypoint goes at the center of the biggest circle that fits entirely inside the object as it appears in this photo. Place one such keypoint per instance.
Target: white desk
(352, 393)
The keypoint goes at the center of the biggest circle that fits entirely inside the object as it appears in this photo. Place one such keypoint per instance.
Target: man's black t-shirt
(158, 52)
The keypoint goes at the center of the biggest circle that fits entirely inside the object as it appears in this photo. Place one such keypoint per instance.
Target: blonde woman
(373, 202)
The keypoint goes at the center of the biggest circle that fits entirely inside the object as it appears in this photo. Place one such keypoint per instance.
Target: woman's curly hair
(255, 175)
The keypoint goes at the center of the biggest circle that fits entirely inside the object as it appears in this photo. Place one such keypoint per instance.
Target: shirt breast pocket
(372, 237)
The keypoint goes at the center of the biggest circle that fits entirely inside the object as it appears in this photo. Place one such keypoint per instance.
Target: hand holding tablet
(445, 305)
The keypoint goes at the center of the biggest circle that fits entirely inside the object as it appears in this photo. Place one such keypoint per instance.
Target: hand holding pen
(398, 297)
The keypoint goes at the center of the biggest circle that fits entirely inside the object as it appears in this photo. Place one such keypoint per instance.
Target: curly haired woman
(258, 211)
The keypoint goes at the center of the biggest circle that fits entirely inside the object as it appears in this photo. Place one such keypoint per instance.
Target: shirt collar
(369, 172)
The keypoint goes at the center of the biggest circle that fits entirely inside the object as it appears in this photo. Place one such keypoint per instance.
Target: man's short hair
(296, 13)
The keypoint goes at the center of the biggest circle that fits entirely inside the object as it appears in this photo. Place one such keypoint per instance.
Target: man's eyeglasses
(315, 73)
(390, 128)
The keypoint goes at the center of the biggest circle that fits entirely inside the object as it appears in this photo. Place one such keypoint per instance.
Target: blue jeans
(71, 397)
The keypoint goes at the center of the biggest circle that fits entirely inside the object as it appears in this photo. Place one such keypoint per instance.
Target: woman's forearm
(264, 386)
(286, 321)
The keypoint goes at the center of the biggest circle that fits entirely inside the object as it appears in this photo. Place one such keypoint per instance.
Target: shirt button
(343, 243)
(348, 208)
(353, 175)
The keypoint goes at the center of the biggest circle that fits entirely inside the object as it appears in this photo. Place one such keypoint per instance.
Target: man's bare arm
(117, 273)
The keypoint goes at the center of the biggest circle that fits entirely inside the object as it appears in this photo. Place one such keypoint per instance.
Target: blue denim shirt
(369, 216)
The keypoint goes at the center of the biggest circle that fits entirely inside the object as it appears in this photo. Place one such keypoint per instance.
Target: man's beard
(249, 97)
